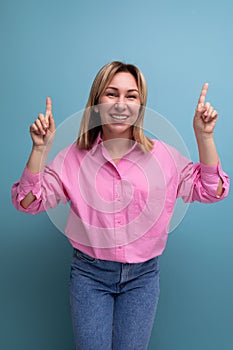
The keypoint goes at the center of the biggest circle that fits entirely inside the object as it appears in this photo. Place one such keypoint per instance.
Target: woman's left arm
(204, 122)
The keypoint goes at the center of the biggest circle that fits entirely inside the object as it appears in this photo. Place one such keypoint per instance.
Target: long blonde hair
(91, 124)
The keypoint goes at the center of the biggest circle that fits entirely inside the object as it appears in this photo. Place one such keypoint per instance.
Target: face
(119, 106)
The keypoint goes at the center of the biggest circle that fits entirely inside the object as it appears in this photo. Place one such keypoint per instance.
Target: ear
(96, 109)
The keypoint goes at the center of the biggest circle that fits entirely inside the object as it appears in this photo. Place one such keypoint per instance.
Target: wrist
(38, 149)
(41, 150)
(204, 136)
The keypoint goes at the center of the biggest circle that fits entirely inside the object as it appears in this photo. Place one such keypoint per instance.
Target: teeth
(119, 117)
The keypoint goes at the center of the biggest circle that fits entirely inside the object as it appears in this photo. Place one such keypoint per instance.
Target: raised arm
(204, 122)
(42, 132)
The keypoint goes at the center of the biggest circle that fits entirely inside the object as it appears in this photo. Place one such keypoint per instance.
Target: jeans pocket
(83, 257)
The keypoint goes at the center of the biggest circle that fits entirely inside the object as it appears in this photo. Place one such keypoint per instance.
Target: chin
(118, 130)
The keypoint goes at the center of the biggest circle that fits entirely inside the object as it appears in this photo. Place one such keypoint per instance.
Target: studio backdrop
(55, 48)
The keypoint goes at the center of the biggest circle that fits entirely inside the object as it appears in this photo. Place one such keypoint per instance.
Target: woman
(122, 187)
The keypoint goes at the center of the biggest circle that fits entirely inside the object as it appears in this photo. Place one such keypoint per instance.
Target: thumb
(201, 108)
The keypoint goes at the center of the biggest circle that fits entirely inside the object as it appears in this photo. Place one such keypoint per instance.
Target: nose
(120, 105)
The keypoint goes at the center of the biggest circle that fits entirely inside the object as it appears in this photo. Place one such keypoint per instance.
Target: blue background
(55, 48)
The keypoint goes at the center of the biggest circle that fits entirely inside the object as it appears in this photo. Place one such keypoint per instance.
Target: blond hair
(91, 124)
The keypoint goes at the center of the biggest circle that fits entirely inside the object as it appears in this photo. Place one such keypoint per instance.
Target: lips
(119, 117)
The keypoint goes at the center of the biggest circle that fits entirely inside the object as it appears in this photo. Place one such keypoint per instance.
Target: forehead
(123, 79)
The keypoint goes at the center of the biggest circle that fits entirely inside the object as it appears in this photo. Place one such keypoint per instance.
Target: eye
(111, 94)
(132, 97)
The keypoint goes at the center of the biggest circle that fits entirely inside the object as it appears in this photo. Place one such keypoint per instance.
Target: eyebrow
(114, 88)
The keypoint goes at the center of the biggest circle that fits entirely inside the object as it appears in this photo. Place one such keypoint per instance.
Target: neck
(117, 146)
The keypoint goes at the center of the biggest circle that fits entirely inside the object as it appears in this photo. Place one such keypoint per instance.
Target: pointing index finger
(48, 108)
(203, 93)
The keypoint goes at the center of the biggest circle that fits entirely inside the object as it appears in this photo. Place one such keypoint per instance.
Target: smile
(119, 117)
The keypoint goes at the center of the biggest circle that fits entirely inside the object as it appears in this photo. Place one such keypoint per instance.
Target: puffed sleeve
(47, 186)
(197, 181)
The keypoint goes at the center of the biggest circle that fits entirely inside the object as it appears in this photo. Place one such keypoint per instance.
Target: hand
(205, 117)
(43, 129)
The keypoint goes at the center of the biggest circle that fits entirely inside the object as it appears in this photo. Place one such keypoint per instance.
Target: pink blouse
(119, 212)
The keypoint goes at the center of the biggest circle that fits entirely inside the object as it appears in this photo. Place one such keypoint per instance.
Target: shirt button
(118, 220)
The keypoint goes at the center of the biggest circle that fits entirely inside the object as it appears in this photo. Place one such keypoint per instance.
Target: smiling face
(119, 106)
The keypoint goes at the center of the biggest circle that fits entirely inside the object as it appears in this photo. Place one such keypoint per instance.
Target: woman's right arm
(42, 132)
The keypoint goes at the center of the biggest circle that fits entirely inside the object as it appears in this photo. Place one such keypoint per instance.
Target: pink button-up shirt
(119, 212)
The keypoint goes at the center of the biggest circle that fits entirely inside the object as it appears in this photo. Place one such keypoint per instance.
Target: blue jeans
(113, 304)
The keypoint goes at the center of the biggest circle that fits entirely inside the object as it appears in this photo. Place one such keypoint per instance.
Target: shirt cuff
(210, 175)
(29, 182)
(211, 169)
